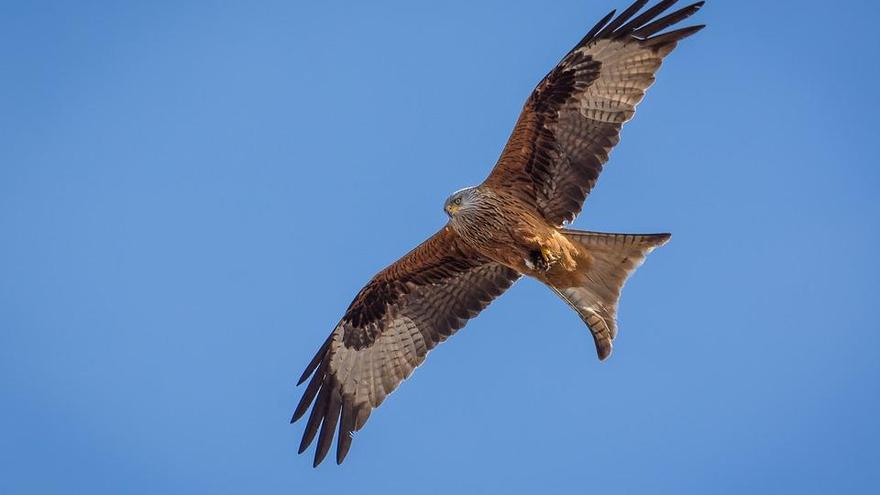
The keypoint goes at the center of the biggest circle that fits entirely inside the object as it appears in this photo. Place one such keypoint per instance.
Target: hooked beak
(451, 209)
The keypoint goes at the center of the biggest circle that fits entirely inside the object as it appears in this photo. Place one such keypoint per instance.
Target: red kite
(506, 227)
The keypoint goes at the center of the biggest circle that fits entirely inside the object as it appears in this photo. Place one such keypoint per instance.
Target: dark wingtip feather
(328, 428)
(303, 377)
(672, 37)
(309, 395)
(319, 356)
(623, 17)
(314, 419)
(664, 22)
(589, 36)
(346, 426)
(599, 25)
(644, 17)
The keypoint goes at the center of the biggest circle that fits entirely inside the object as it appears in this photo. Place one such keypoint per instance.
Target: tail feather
(612, 259)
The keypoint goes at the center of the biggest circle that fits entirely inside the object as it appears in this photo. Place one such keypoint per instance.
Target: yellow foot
(543, 259)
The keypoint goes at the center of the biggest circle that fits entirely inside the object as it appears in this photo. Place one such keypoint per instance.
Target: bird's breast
(505, 232)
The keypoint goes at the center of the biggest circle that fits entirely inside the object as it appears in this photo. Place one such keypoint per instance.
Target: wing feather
(346, 426)
(403, 313)
(666, 21)
(573, 118)
(647, 15)
(623, 17)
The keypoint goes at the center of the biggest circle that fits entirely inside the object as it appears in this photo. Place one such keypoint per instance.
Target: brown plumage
(509, 226)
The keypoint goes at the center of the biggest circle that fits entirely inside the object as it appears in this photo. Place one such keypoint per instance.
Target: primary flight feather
(507, 227)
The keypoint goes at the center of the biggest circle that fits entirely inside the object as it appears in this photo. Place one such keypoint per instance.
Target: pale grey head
(461, 201)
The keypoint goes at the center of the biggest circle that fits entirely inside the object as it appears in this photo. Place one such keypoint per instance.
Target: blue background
(191, 194)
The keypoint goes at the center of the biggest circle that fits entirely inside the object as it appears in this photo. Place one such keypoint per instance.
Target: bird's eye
(456, 201)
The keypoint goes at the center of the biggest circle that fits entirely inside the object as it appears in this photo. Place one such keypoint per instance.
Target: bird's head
(460, 200)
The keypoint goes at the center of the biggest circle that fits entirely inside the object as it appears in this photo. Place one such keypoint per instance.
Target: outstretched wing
(573, 118)
(404, 312)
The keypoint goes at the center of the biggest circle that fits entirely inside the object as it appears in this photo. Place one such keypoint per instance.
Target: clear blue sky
(192, 193)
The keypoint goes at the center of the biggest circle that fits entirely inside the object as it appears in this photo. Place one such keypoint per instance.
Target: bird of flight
(509, 226)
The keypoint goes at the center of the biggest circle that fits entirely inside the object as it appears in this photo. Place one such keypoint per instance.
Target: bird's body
(509, 226)
(505, 229)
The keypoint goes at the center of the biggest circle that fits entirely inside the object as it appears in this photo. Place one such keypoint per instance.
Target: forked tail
(611, 260)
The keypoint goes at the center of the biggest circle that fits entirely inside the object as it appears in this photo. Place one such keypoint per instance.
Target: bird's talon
(543, 258)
